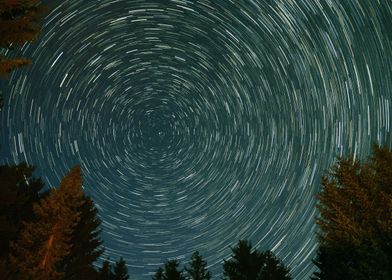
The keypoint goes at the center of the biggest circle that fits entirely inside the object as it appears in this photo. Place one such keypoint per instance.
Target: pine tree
(86, 244)
(273, 268)
(159, 274)
(44, 243)
(355, 206)
(19, 24)
(120, 270)
(106, 271)
(169, 272)
(248, 264)
(349, 262)
(172, 272)
(197, 268)
(19, 190)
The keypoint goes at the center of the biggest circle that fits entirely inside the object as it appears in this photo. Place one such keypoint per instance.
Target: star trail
(199, 123)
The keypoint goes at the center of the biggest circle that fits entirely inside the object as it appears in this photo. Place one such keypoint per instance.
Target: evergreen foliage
(120, 270)
(106, 271)
(159, 274)
(169, 272)
(351, 262)
(55, 234)
(86, 244)
(20, 22)
(355, 206)
(59, 228)
(197, 268)
(45, 242)
(172, 272)
(18, 191)
(248, 264)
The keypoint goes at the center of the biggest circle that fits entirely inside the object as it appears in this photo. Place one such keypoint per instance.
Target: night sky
(199, 123)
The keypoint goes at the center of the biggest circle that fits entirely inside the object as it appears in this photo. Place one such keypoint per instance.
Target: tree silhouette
(355, 206)
(159, 274)
(20, 22)
(197, 268)
(19, 190)
(169, 272)
(120, 270)
(49, 234)
(351, 262)
(248, 264)
(45, 242)
(106, 271)
(85, 240)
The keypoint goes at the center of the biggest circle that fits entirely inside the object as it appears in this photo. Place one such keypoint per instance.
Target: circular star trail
(199, 123)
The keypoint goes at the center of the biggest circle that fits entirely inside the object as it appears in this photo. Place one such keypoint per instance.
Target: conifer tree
(18, 191)
(106, 271)
(20, 22)
(159, 273)
(355, 206)
(197, 269)
(169, 272)
(120, 270)
(350, 262)
(45, 242)
(86, 244)
(172, 272)
(248, 264)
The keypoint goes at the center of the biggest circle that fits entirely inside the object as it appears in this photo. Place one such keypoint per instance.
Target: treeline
(245, 263)
(49, 234)
(55, 234)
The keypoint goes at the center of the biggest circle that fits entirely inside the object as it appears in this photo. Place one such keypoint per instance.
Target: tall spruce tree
(45, 242)
(172, 272)
(169, 272)
(106, 271)
(86, 244)
(197, 269)
(120, 270)
(355, 206)
(248, 264)
(19, 190)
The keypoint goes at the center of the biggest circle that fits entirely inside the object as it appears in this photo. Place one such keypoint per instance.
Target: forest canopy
(20, 23)
(48, 234)
(355, 206)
